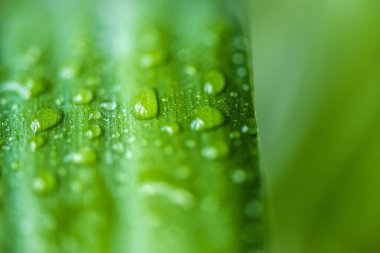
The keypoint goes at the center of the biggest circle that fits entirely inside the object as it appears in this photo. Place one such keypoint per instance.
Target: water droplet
(234, 135)
(241, 72)
(190, 70)
(67, 72)
(45, 118)
(94, 131)
(144, 104)
(206, 118)
(37, 142)
(28, 89)
(217, 151)
(238, 58)
(84, 156)
(96, 115)
(239, 176)
(240, 42)
(44, 182)
(118, 147)
(176, 195)
(214, 82)
(35, 87)
(84, 96)
(152, 58)
(245, 87)
(171, 128)
(234, 94)
(108, 105)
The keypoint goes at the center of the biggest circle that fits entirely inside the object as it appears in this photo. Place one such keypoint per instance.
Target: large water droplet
(206, 118)
(214, 82)
(144, 104)
(84, 96)
(45, 118)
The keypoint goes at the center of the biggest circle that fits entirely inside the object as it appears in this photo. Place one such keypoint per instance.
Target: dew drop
(45, 118)
(238, 58)
(35, 87)
(190, 70)
(152, 58)
(84, 96)
(95, 115)
(239, 176)
(214, 82)
(44, 182)
(118, 147)
(234, 94)
(171, 128)
(217, 151)
(144, 104)
(108, 105)
(28, 89)
(83, 157)
(94, 131)
(206, 118)
(177, 196)
(37, 142)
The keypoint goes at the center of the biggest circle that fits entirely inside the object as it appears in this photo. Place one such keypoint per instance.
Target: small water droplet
(171, 128)
(239, 176)
(108, 105)
(44, 182)
(216, 151)
(214, 82)
(37, 142)
(190, 70)
(94, 131)
(238, 58)
(115, 135)
(234, 94)
(84, 96)
(128, 154)
(95, 115)
(241, 72)
(67, 73)
(234, 135)
(118, 147)
(35, 87)
(45, 118)
(178, 196)
(153, 58)
(28, 89)
(206, 118)
(84, 156)
(245, 87)
(144, 104)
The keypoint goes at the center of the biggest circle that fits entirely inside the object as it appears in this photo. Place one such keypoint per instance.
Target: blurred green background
(317, 90)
